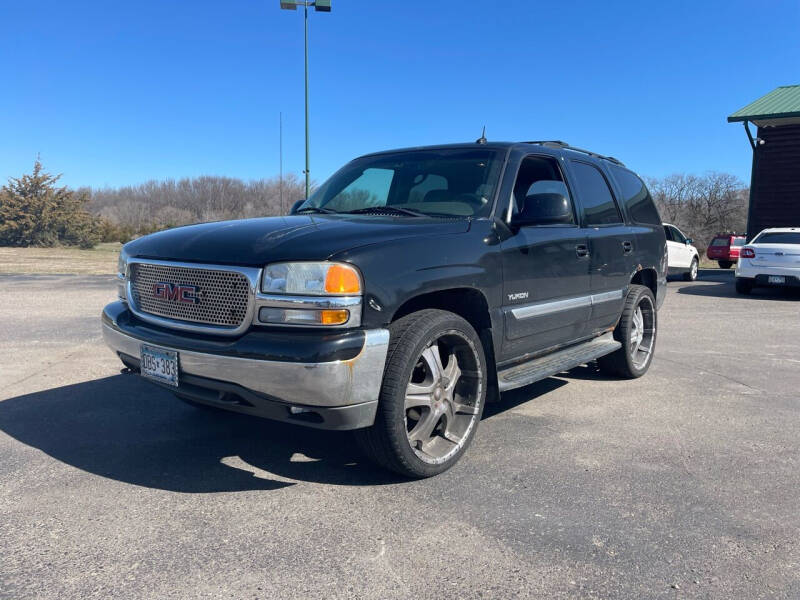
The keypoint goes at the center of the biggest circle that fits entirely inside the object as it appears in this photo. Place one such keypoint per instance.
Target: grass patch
(101, 260)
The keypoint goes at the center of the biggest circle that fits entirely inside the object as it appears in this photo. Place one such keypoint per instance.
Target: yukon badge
(518, 296)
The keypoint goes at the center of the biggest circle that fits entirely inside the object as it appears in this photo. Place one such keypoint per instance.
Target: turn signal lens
(342, 279)
(301, 316)
(748, 253)
(334, 317)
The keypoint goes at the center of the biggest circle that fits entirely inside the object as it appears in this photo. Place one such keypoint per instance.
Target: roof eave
(738, 118)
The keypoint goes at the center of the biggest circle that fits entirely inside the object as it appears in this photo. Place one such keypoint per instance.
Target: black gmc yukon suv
(409, 288)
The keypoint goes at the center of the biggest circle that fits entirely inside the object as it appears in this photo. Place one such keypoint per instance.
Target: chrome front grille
(219, 298)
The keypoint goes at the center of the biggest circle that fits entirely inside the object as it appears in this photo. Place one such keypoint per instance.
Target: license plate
(159, 364)
(776, 279)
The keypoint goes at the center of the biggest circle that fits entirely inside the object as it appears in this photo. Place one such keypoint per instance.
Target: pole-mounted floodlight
(319, 6)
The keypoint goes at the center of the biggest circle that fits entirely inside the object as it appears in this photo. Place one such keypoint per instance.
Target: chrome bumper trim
(327, 384)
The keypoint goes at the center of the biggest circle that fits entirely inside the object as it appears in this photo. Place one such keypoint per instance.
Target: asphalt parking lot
(682, 484)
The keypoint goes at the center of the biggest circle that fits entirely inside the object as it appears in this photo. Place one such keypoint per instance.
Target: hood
(255, 242)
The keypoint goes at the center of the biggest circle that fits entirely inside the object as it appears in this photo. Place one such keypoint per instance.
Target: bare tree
(158, 204)
(702, 205)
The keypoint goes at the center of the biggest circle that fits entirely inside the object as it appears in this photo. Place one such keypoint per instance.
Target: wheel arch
(469, 303)
(648, 278)
(466, 302)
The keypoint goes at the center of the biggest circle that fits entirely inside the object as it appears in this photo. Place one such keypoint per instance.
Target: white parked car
(682, 257)
(771, 259)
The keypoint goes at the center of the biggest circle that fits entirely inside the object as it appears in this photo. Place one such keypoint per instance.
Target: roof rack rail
(566, 146)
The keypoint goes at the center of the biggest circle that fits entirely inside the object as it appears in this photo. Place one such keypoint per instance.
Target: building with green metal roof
(775, 179)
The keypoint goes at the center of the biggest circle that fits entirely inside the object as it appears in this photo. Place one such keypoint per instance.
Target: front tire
(636, 331)
(432, 396)
(691, 274)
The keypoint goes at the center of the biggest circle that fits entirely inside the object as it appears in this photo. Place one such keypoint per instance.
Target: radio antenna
(482, 139)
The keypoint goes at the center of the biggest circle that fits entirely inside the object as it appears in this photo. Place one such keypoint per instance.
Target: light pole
(319, 6)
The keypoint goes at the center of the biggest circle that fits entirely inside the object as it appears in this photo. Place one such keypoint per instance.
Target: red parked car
(724, 249)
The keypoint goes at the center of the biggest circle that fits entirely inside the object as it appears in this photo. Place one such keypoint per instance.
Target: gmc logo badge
(175, 292)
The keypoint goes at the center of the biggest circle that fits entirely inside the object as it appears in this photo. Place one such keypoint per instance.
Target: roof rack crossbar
(565, 146)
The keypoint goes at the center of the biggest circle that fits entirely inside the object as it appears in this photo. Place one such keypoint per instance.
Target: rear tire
(725, 264)
(636, 331)
(743, 286)
(691, 274)
(432, 396)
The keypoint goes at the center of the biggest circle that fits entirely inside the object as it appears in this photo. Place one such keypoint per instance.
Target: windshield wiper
(384, 209)
(317, 209)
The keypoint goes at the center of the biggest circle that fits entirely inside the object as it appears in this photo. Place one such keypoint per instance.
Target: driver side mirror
(544, 209)
(688, 241)
(295, 206)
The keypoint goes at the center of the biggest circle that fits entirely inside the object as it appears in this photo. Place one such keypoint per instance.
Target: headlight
(311, 278)
(316, 294)
(122, 264)
(122, 275)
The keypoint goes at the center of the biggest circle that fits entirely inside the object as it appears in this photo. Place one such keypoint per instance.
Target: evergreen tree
(36, 212)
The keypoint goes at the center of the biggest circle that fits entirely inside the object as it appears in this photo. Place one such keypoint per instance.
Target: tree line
(702, 205)
(35, 211)
(155, 205)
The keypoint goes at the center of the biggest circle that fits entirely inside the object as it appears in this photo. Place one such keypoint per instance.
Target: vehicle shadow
(725, 288)
(514, 398)
(126, 429)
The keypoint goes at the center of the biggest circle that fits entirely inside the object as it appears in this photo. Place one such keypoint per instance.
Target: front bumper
(331, 394)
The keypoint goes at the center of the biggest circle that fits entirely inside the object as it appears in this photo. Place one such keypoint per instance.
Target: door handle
(582, 250)
(627, 247)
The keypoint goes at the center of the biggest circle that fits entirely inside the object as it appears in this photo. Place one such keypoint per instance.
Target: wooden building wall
(775, 185)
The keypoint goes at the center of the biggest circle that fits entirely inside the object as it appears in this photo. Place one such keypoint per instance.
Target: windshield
(447, 182)
(777, 237)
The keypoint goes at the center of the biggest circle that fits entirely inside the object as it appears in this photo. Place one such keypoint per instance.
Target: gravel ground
(682, 484)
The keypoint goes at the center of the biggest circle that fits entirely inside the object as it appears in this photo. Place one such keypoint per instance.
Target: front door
(545, 271)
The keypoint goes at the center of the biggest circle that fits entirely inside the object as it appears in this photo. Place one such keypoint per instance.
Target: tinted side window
(636, 197)
(537, 175)
(598, 204)
(668, 233)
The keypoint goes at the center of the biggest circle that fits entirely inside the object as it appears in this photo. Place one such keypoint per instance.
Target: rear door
(683, 252)
(611, 243)
(675, 250)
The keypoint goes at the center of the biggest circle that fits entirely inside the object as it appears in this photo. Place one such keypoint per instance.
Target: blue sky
(114, 93)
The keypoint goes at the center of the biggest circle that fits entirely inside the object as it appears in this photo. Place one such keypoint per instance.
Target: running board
(563, 360)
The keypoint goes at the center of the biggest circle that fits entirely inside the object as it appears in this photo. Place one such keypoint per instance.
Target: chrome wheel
(642, 336)
(442, 398)
(693, 272)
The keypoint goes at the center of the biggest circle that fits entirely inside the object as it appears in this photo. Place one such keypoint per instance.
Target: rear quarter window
(636, 197)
